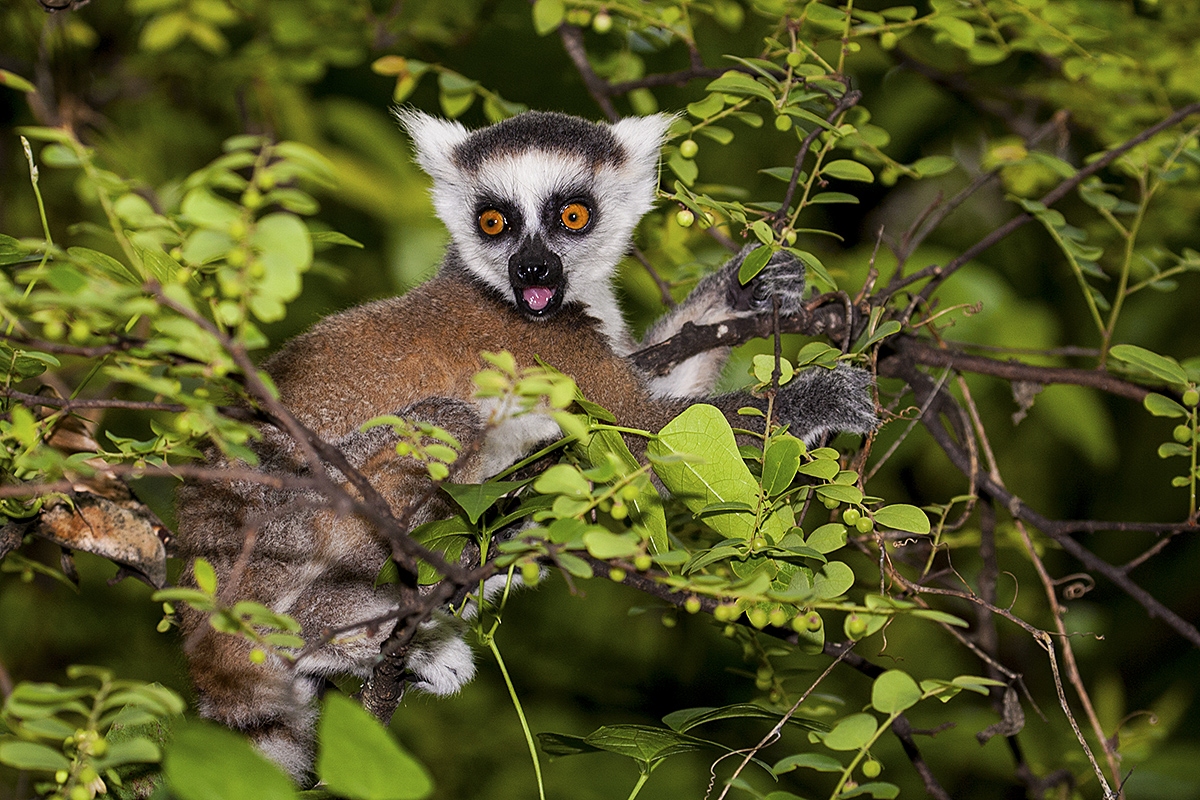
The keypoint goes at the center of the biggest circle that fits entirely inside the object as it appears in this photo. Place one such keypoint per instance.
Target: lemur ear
(642, 138)
(433, 140)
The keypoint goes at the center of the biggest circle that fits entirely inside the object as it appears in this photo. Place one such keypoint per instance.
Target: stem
(641, 781)
(512, 693)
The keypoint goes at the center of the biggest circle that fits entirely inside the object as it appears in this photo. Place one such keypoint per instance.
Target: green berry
(1191, 398)
(61, 776)
(887, 40)
(1182, 434)
(778, 617)
(829, 503)
(789, 238)
(851, 516)
(619, 511)
(685, 218)
(669, 621)
(257, 656)
(530, 573)
(688, 148)
(757, 617)
(863, 525)
(783, 123)
(871, 768)
(813, 622)
(856, 626)
(643, 562)
(691, 605)
(726, 612)
(794, 59)
(616, 574)
(730, 631)
(602, 22)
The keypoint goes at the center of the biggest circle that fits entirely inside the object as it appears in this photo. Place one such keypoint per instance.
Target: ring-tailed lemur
(540, 209)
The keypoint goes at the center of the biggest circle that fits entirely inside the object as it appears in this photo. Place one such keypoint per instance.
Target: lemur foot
(820, 401)
(782, 277)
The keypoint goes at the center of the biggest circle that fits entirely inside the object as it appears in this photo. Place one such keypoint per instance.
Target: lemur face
(541, 206)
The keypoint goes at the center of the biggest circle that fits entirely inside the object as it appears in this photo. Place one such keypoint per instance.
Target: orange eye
(491, 222)
(575, 216)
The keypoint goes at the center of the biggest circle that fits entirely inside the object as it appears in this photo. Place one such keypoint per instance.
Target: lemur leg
(718, 298)
(308, 561)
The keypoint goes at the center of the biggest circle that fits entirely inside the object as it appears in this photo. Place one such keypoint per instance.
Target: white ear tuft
(642, 137)
(433, 140)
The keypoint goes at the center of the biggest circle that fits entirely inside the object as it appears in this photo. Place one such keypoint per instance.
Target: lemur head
(541, 206)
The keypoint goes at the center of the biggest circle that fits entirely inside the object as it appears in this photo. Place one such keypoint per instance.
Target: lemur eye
(575, 216)
(491, 222)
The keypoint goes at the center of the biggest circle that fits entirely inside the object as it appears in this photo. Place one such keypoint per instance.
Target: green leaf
(1161, 406)
(206, 210)
(852, 732)
(931, 166)
(647, 516)
(206, 576)
(208, 762)
(139, 750)
(563, 479)
(706, 107)
(960, 32)
(741, 84)
(847, 170)
(817, 761)
(32, 756)
(881, 790)
(827, 538)
(702, 432)
(642, 743)
(903, 517)
(940, 616)
(781, 461)
(476, 498)
(564, 744)
(834, 580)
(358, 759)
(1161, 367)
(753, 264)
(843, 494)
(894, 691)
(547, 16)
(832, 197)
(604, 544)
(15, 81)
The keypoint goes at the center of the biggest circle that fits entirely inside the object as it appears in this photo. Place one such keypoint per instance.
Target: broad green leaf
(703, 432)
(206, 210)
(563, 479)
(841, 493)
(834, 580)
(603, 544)
(206, 576)
(816, 761)
(32, 756)
(205, 761)
(847, 170)
(931, 166)
(852, 732)
(780, 464)
(741, 84)
(960, 32)
(1161, 406)
(642, 743)
(1161, 367)
(894, 691)
(753, 264)
(827, 538)
(358, 759)
(139, 750)
(547, 15)
(476, 498)
(903, 517)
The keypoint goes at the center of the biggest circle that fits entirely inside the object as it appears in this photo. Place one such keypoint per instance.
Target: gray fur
(547, 130)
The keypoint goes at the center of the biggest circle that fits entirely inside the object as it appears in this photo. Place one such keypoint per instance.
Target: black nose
(535, 264)
(533, 274)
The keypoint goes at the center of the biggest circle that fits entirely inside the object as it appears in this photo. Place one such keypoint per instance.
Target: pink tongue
(537, 297)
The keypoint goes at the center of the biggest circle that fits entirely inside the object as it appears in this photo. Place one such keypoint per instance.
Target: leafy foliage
(898, 151)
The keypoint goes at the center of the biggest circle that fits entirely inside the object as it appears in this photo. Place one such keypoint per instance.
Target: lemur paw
(820, 401)
(782, 277)
(439, 661)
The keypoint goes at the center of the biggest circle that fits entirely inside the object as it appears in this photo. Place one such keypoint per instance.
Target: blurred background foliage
(155, 86)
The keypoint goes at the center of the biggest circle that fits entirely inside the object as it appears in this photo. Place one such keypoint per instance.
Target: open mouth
(538, 301)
